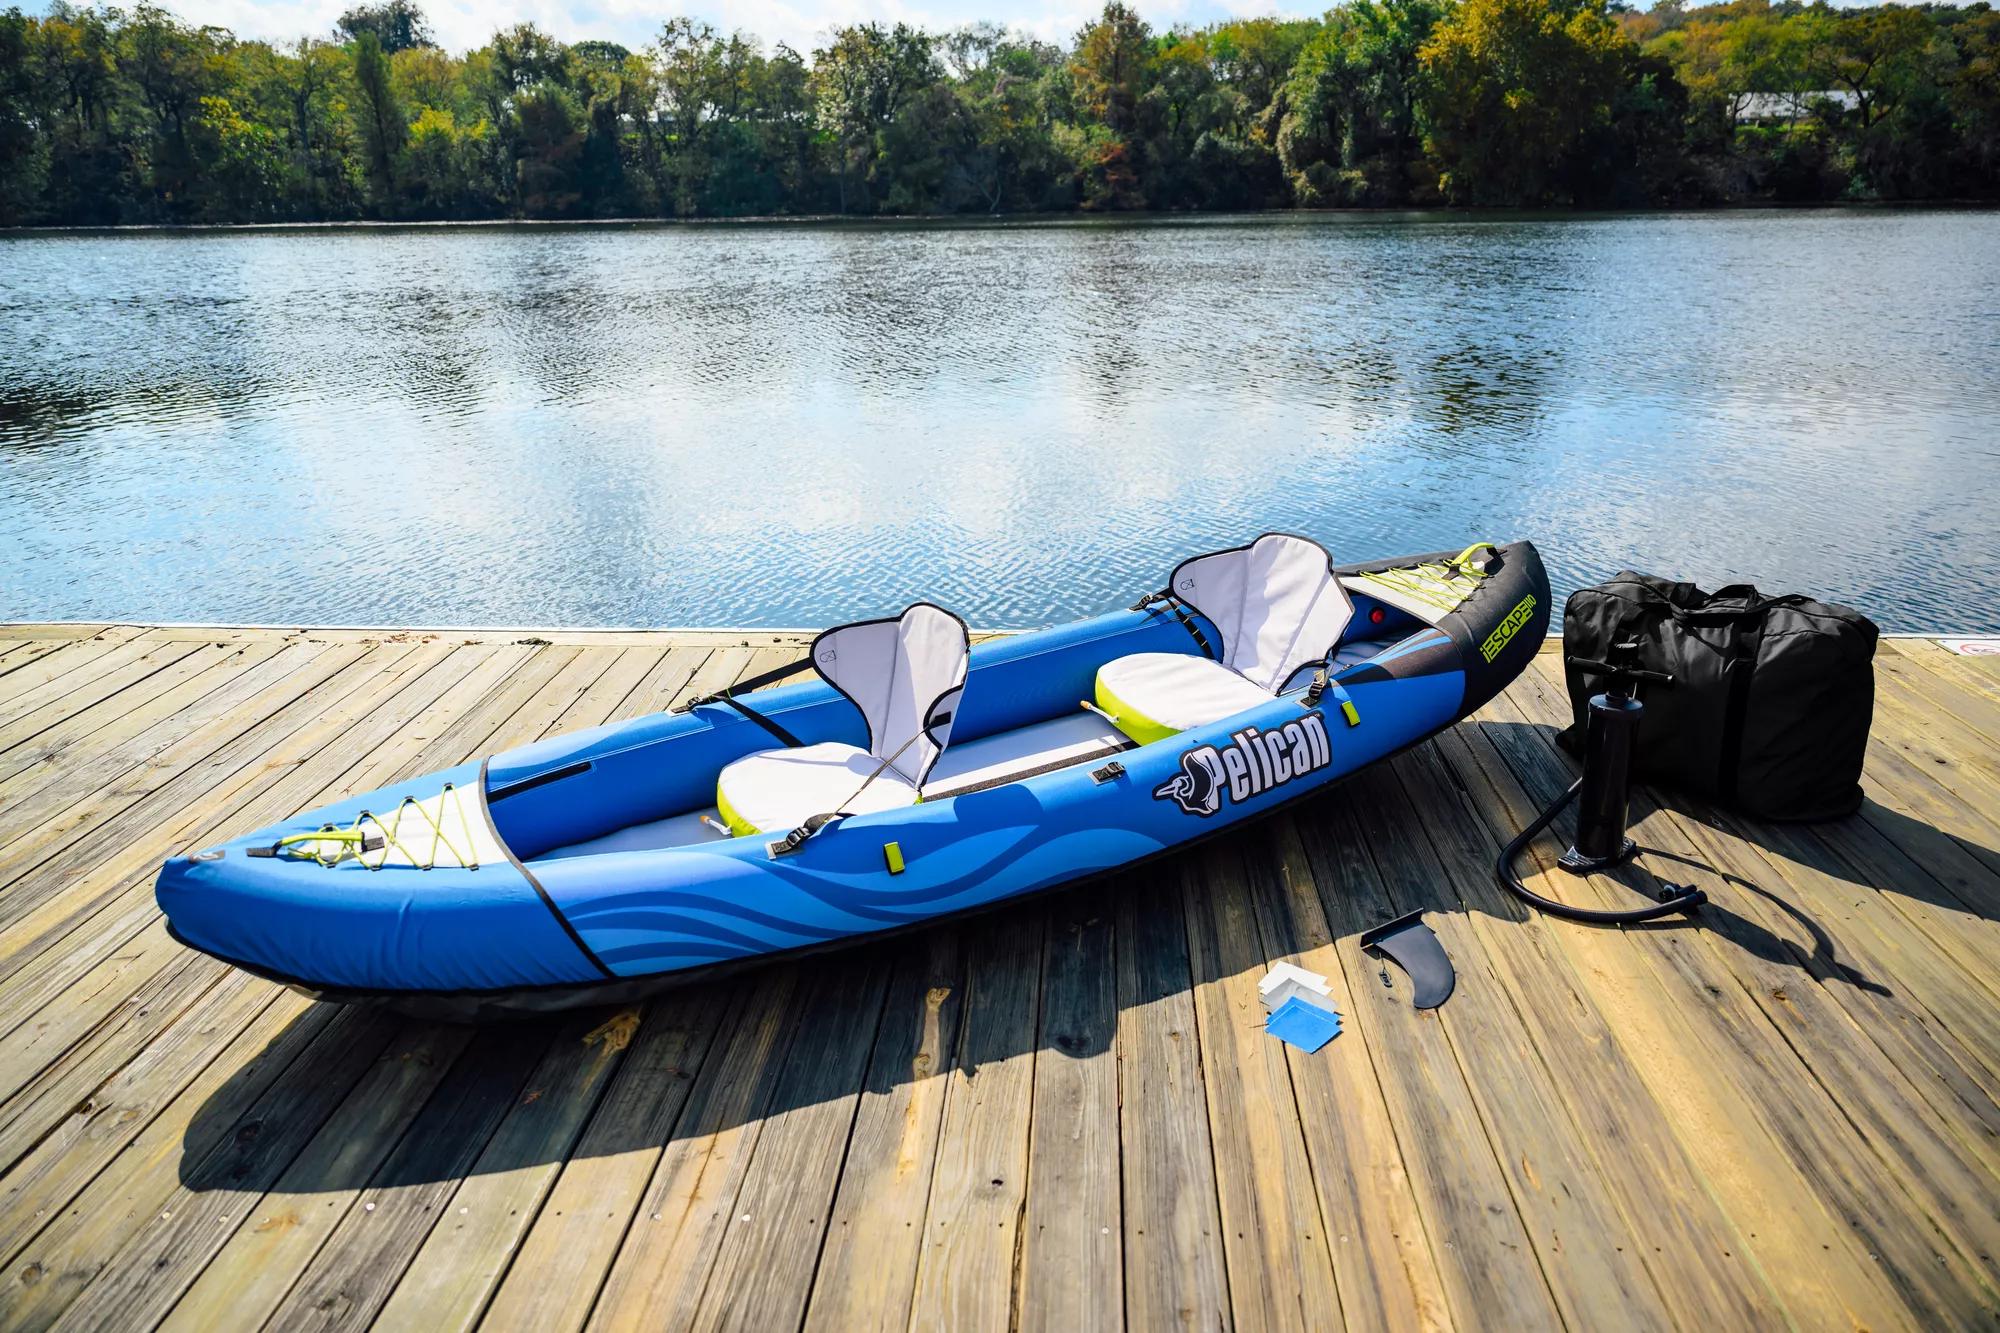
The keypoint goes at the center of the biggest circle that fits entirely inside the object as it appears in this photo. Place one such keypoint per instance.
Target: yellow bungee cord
(355, 843)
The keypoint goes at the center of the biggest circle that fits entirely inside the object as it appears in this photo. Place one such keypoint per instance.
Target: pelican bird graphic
(1197, 788)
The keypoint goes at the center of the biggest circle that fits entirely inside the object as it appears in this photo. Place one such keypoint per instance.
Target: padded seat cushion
(774, 791)
(1150, 696)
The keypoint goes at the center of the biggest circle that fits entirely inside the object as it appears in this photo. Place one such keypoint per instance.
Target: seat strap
(726, 695)
(785, 737)
(1166, 595)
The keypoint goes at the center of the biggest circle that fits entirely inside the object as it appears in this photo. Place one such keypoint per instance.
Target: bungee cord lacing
(354, 843)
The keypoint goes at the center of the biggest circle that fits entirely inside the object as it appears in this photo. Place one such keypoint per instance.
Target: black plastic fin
(1415, 949)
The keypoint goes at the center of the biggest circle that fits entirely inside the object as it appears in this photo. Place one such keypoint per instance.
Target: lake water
(788, 425)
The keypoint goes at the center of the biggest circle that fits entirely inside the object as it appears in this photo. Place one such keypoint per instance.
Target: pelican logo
(1197, 788)
(1253, 763)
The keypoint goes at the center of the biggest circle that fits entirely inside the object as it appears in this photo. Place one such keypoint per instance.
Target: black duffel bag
(1772, 696)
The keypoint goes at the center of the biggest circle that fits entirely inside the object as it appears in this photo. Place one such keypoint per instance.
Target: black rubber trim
(540, 892)
(539, 780)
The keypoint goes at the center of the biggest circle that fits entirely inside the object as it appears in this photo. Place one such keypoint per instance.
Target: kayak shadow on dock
(1033, 1009)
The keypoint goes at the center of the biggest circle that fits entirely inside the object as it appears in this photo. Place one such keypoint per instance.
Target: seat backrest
(1276, 603)
(905, 675)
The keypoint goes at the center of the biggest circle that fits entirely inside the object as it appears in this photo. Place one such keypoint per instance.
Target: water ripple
(791, 425)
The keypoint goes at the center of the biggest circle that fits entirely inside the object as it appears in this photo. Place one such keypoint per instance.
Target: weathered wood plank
(1972, 673)
(1617, 1122)
(19, 1049)
(1072, 1264)
(110, 934)
(763, 1269)
(662, 1267)
(22, 721)
(1788, 1116)
(65, 661)
(868, 1265)
(971, 1231)
(1733, 1035)
(81, 736)
(1853, 939)
(543, 637)
(52, 632)
(561, 1261)
(70, 1153)
(1174, 1271)
(368, 1246)
(69, 1079)
(1589, 1252)
(448, 1281)
(1493, 1276)
(1273, 1240)
(1823, 1277)
(1384, 1271)
(233, 1234)
(113, 1241)
(36, 796)
(1876, 1092)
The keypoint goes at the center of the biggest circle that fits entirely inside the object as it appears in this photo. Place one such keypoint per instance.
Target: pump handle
(1591, 664)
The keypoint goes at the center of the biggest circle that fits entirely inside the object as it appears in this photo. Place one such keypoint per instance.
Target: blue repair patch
(1306, 1026)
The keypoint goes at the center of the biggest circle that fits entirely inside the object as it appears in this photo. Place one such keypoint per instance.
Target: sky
(464, 24)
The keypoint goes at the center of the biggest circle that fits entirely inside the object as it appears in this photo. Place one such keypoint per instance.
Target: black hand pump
(1611, 732)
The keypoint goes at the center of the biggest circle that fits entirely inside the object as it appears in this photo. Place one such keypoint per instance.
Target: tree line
(112, 116)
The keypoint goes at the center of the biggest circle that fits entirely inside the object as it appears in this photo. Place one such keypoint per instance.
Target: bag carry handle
(1710, 614)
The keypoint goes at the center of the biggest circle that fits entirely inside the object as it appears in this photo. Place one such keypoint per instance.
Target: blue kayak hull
(528, 930)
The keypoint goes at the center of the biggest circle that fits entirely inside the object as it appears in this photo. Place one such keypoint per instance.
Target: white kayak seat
(1278, 607)
(774, 791)
(1160, 694)
(905, 675)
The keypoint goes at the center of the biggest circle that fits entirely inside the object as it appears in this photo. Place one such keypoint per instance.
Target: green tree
(1514, 94)
(381, 120)
(865, 78)
(397, 25)
(1348, 131)
(23, 151)
(1108, 77)
(1975, 104)
(1110, 66)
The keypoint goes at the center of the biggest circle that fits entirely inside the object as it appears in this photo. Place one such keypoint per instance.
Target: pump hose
(1683, 900)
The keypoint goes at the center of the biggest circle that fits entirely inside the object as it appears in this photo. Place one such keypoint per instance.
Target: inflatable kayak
(910, 777)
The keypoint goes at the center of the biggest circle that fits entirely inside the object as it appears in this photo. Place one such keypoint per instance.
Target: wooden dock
(1064, 1116)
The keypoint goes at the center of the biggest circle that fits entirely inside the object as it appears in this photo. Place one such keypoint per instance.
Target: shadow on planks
(897, 1009)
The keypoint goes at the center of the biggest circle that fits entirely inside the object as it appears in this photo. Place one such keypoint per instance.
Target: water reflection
(786, 425)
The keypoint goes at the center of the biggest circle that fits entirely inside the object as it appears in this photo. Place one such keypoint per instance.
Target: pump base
(1577, 863)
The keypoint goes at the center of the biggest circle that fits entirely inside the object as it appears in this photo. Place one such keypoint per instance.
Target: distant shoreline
(982, 220)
